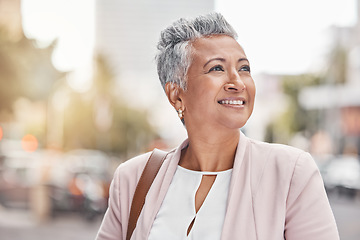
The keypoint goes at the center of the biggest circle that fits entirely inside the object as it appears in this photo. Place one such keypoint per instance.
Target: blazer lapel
(239, 219)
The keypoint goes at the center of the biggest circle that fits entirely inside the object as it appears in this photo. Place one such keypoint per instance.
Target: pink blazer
(276, 192)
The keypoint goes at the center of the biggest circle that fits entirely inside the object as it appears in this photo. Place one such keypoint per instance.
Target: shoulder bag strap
(148, 175)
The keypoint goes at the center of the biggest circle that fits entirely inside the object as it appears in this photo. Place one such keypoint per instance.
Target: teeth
(232, 102)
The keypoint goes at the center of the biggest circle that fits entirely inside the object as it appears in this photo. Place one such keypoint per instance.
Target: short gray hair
(173, 57)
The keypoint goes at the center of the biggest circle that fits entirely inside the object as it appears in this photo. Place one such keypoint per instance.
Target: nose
(235, 83)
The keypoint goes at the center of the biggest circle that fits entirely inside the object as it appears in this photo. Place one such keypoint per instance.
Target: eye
(217, 68)
(245, 68)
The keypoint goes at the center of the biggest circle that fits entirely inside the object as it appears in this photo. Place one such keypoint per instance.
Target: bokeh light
(29, 143)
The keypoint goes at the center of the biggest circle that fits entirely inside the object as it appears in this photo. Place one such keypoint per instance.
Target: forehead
(216, 46)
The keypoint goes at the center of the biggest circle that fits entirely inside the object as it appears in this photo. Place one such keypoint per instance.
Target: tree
(25, 70)
(295, 119)
(336, 71)
(101, 119)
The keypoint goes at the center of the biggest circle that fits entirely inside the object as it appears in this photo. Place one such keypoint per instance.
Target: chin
(235, 124)
(238, 123)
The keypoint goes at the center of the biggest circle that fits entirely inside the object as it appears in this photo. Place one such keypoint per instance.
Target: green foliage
(295, 118)
(25, 71)
(337, 65)
(129, 132)
(292, 84)
(10, 78)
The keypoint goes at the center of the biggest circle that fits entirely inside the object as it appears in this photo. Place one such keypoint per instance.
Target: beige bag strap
(148, 175)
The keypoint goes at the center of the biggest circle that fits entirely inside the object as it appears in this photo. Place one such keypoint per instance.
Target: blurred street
(347, 215)
(80, 94)
(17, 225)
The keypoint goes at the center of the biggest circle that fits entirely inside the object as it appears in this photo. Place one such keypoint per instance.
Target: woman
(218, 184)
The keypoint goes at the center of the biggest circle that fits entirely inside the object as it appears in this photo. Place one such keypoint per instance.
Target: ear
(174, 92)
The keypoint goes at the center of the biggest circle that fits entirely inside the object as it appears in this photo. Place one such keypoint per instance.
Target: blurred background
(79, 94)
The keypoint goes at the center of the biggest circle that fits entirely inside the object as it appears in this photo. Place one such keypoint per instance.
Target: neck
(213, 153)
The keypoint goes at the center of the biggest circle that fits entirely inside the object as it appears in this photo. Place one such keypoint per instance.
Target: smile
(232, 102)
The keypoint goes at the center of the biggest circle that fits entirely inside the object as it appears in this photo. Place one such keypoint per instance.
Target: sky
(286, 36)
(279, 36)
(71, 22)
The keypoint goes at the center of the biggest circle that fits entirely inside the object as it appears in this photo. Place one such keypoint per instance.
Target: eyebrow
(223, 60)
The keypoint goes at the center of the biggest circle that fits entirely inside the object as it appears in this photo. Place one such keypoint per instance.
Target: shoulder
(129, 172)
(133, 164)
(277, 153)
(131, 169)
(280, 163)
(286, 167)
(275, 148)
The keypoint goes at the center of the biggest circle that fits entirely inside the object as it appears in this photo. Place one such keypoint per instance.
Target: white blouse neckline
(178, 207)
(204, 172)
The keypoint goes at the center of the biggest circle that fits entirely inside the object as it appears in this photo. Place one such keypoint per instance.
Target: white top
(178, 208)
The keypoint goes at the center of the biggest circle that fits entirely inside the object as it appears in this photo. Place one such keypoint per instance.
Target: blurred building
(269, 104)
(339, 99)
(126, 34)
(10, 18)
(26, 76)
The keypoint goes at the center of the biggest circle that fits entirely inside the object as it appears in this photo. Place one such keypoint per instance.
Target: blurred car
(342, 173)
(81, 183)
(19, 172)
(77, 181)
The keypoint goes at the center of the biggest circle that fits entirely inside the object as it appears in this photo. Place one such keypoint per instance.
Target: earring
(180, 114)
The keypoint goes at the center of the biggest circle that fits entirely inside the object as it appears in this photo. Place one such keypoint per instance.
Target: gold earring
(180, 114)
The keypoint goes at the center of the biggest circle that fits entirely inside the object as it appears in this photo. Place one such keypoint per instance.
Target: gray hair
(173, 57)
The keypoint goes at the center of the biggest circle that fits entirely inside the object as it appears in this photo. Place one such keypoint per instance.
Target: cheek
(204, 89)
(251, 89)
(198, 98)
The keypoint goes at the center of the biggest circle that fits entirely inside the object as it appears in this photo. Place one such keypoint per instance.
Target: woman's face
(220, 90)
